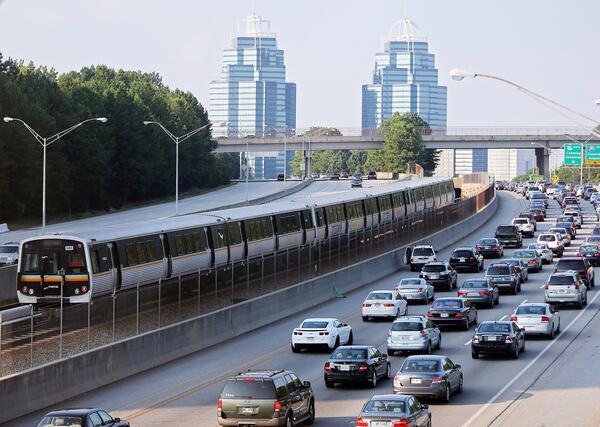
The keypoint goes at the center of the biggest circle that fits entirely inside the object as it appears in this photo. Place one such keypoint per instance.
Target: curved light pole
(460, 74)
(45, 142)
(176, 140)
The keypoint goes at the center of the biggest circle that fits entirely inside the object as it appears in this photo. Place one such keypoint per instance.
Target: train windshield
(52, 256)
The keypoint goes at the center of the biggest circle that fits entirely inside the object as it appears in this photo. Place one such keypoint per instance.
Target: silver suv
(564, 288)
(413, 333)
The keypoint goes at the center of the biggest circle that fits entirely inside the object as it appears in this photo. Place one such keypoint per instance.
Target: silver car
(479, 291)
(544, 252)
(564, 288)
(9, 253)
(429, 376)
(537, 319)
(394, 410)
(413, 333)
(531, 258)
(416, 289)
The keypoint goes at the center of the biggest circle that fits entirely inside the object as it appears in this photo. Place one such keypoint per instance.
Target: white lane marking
(468, 342)
(529, 365)
(502, 318)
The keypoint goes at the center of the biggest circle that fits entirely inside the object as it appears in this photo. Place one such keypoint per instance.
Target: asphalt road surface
(499, 391)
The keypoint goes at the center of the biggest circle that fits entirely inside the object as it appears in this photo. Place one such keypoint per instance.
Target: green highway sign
(592, 154)
(572, 154)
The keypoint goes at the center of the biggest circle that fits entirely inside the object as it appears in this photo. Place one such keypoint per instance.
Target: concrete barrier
(8, 281)
(63, 379)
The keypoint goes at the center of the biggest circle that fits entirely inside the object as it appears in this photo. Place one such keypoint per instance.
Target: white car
(544, 251)
(525, 226)
(563, 233)
(537, 319)
(576, 216)
(416, 289)
(321, 332)
(420, 255)
(554, 242)
(385, 303)
(9, 253)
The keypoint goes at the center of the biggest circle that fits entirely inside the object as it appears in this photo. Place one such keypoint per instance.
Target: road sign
(572, 154)
(554, 178)
(592, 154)
(535, 178)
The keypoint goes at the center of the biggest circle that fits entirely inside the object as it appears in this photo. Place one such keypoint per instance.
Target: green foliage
(99, 166)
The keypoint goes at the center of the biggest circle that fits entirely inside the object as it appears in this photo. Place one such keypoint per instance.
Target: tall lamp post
(177, 140)
(46, 142)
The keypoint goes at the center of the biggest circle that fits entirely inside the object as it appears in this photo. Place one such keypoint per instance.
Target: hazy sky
(549, 46)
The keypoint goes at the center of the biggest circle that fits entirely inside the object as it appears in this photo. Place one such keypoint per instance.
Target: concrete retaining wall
(8, 280)
(52, 383)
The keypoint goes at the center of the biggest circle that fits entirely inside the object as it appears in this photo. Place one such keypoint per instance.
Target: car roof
(320, 319)
(382, 290)
(259, 373)
(534, 304)
(356, 347)
(437, 263)
(449, 298)
(399, 397)
(423, 246)
(505, 322)
(73, 411)
(571, 258)
(426, 357)
(410, 317)
(464, 248)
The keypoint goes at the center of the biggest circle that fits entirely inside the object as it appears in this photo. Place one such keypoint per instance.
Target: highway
(498, 391)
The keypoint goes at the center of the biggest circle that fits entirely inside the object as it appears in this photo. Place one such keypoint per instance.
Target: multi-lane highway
(498, 391)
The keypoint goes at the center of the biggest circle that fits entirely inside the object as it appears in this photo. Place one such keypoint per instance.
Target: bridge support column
(542, 157)
(307, 158)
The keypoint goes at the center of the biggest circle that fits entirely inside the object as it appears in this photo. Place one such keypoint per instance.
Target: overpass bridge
(543, 140)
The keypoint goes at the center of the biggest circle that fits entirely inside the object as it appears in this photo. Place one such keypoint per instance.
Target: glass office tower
(252, 96)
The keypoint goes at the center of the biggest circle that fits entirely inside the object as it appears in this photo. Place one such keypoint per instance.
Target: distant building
(252, 96)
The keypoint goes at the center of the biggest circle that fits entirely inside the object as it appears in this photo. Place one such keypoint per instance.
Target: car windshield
(7, 250)
(410, 282)
(420, 366)
(447, 303)
(380, 295)
(488, 242)
(524, 254)
(60, 420)
(538, 196)
(314, 325)
(593, 239)
(558, 230)
(520, 221)
(407, 326)
(538, 246)
(560, 280)
(531, 309)
(576, 264)
(547, 238)
(349, 353)
(462, 254)
(589, 248)
(498, 270)
(395, 406)
(249, 387)
(422, 252)
(435, 268)
(566, 225)
(494, 327)
(505, 230)
(515, 262)
(470, 284)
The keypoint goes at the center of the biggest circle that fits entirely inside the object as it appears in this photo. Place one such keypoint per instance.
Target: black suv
(440, 274)
(509, 235)
(466, 258)
(580, 265)
(266, 398)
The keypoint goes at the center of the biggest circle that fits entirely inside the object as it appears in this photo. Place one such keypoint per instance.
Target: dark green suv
(266, 398)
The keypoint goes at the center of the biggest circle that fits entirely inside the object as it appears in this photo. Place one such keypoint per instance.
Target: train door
(116, 265)
(219, 244)
(167, 264)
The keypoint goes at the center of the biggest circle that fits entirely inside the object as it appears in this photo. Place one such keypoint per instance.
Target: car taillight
(361, 423)
(518, 269)
(576, 285)
(277, 406)
(545, 319)
(597, 254)
(579, 254)
(462, 293)
(458, 315)
(508, 339)
(494, 246)
(532, 261)
(323, 333)
(546, 286)
(388, 305)
(478, 247)
(420, 290)
(220, 404)
(363, 368)
(513, 318)
(584, 273)
(472, 258)
(401, 423)
(366, 305)
(84, 289)
(484, 292)
(327, 367)
(437, 380)
(24, 289)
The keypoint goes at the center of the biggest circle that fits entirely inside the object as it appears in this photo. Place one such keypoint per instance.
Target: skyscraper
(252, 96)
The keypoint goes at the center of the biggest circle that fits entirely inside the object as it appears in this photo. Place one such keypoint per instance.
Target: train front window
(30, 263)
(50, 257)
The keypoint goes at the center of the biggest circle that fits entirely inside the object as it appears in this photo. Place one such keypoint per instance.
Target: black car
(505, 277)
(579, 264)
(86, 417)
(509, 235)
(372, 175)
(453, 311)
(467, 259)
(356, 182)
(490, 248)
(439, 275)
(334, 177)
(591, 253)
(503, 337)
(356, 364)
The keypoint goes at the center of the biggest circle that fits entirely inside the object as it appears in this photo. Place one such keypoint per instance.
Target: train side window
(140, 252)
(179, 245)
(197, 245)
(150, 250)
(308, 219)
(218, 236)
(95, 262)
(233, 233)
(320, 216)
(131, 255)
(187, 240)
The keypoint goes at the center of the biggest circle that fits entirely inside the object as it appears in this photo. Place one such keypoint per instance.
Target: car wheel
(523, 347)
(428, 349)
(460, 385)
(476, 320)
(295, 349)
(365, 318)
(439, 343)
(311, 414)
(288, 421)
(491, 304)
(446, 396)
(474, 354)
(515, 352)
(558, 329)
(350, 338)
(373, 381)
(337, 342)
(388, 371)
(551, 334)
(329, 384)
(466, 325)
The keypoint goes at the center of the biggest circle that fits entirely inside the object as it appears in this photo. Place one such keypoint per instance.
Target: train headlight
(77, 291)
(31, 291)
(84, 289)
(24, 289)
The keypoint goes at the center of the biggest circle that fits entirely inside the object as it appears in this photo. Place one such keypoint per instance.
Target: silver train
(117, 258)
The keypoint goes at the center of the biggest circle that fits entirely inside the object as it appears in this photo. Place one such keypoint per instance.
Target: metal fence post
(60, 344)
(287, 265)
(159, 298)
(30, 338)
(199, 289)
(232, 278)
(89, 320)
(179, 296)
(137, 309)
(114, 302)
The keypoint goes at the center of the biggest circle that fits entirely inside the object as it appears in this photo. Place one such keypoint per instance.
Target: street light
(176, 140)
(45, 142)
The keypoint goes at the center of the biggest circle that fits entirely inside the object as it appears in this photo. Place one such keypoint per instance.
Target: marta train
(116, 258)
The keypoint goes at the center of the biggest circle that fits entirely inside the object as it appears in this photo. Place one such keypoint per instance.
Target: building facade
(252, 96)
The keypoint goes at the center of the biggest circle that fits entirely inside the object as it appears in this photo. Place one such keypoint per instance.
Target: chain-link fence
(57, 331)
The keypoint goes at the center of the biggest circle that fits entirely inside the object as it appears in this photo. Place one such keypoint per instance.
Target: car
(537, 319)
(493, 337)
(569, 200)
(440, 275)
(356, 364)
(531, 218)
(490, 247)
(356, 182)
(344, 175)
(544, 251)
(531, 258)
(372, 175)
(84, 417)
(591, 253)
(576, 216)
(554, 242)
(334, 177)
(280, 177)
(566, 218)
(420, 255)
(579, 264)
(314, 175)
(592, 239)
(520, 266)
(466, 258)
(569, 226)
(321, 332)
(594, 198)
(538, 213)
(551, 189)
(323, 176)
(479, 292)
(505, 277)
(453, 311)
(540, 196)
(563, 233)
(509, 235)
(588, 193)
(566, 287)
(384, 303)
(525, 226)
(413, 333)
(596, 231)
(394, 410)
(429, 376)
(266, 397)
(9, 253)
(416, 289)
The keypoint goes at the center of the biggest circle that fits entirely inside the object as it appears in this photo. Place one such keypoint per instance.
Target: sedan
(531, 258)
(505, 337)
(429, 376)
(569, 226)
(537, 319)
(467, 259)
(393, 410)
(591, 253)
(356, 364)
(479, 291)
(490, 248)
(321, 332)
(416, 289)
(357, 182)
(544, 252)
(453, 311)
(81, 418)
(389, 304)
